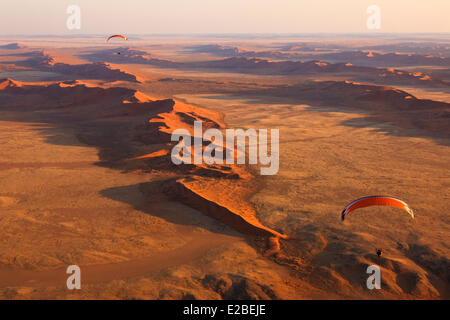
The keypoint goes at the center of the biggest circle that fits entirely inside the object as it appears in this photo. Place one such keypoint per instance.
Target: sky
(34, 17)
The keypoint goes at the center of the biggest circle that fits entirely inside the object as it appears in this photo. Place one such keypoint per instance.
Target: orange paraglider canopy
(116, 36)
(376, 201)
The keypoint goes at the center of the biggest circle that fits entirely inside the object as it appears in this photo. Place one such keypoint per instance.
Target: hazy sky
(222, 16)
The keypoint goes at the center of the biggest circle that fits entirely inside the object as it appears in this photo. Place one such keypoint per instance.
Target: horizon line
(231, 34)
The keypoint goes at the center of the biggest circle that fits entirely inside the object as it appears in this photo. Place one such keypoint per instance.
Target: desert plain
(87, 178)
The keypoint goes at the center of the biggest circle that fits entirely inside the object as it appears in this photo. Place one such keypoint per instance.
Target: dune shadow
(431, 124)
(170, 210)
(437, 266)
(389, 128)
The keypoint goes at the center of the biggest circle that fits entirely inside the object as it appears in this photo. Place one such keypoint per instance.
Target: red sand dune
(162, 117)
(42, 61)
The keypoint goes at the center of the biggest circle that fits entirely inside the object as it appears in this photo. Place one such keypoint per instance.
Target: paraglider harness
(378, 252)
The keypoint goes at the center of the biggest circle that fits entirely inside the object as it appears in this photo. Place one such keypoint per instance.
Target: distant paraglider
(116, 36)
(376, 201)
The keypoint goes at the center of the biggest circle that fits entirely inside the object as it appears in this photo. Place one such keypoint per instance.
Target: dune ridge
(181, 191)
(13, 46)
(43, 61)
(358, 57)
(260, 66)
(161, 118)
(384, 103)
